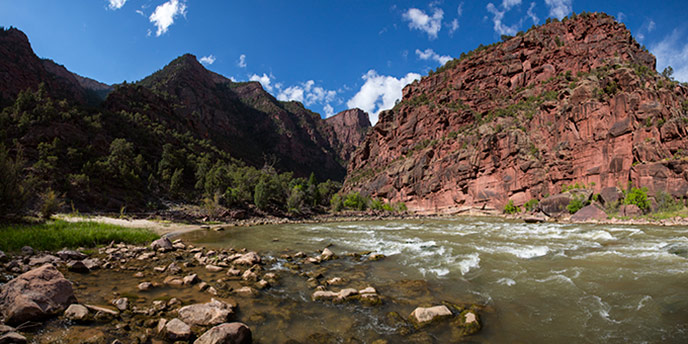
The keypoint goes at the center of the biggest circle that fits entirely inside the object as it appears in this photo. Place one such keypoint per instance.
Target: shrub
(50, 204)
(576, 203)
(355, 201)
(510, 208)
(531, 204)
(260, 195)
(15, 187)
(665, 202)
(377, 204)
(296, 199)
(212, 206)
(336, 203)
(637, 196)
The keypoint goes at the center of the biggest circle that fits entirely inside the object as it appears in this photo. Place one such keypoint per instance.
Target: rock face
(566, 102)
(347, 130)
(232, 333)
(35, 295)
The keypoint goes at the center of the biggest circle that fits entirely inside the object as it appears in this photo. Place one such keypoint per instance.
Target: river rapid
(539, 283)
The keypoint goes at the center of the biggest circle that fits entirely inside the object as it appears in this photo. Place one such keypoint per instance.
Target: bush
(665, 202)
(336, 203)
(355, 201)
(531, 204)
(510, 208)
(638, 196)
(377, 204)
(15, 187)
(576, 203)
(50, 204)
(212, 206)
(296, 199)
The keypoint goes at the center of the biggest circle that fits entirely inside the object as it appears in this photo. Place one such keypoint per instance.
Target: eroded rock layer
(577, 101)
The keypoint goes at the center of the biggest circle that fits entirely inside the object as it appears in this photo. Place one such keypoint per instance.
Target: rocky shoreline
(171, 291)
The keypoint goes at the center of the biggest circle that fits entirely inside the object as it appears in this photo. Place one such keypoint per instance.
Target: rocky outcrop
(35, 295)
(576, 101)
(347, 130)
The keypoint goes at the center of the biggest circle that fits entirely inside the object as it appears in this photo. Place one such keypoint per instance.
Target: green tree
(15, 186)
(638, 196)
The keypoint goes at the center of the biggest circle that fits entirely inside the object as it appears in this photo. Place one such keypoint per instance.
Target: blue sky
(330, 55)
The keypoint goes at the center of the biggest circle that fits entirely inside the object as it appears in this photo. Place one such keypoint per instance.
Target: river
(543, 283)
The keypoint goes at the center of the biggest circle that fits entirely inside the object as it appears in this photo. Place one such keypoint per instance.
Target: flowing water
(541, 283)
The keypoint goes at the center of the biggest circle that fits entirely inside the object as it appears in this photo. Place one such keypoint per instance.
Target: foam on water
(472, 261)
(506, 281)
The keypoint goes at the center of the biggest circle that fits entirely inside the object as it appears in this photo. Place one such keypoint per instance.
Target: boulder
(176, 329)
(76, 312)
(249, 258)
(555, 205)
(35, 295)
(610, 195)
(145, 286)
(12, 338)
(163, 244)
(589, 212)
(630, 210)
(77, 266)
(92, 263)
(207, 314)
(327, 254)
(42, 260)
(423, 315)
(122, 303)
(231, 333)
(27, 250)
(190, 279)
(246, 291)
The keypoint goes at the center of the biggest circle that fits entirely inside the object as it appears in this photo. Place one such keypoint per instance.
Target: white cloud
(453, 26)
(329, 111)
(140, 12)
(559, 8)
(207, 60)
(651, 26)
(508, 4)
(164, 15)
(459, 10)
(263, 80)
(379, 92)
(242, 61)
(429, 54)
(532, 14)
(420, 21)
(307, 93)
(498, 16)
(116, 4)
(673, 51)
(620, 16)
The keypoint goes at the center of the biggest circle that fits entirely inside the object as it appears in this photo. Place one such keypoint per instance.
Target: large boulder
(176, 329)
(589, 212)
(35, 295)
(163, 244)
(555, 205)
(206, 314)
(231, 333)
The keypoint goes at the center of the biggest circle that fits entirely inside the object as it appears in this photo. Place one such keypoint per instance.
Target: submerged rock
(425, 315)
(212, 313)
(35, 295)
(468, 323)
(231, 333)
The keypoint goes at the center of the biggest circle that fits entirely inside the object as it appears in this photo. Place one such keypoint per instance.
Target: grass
(55, 235)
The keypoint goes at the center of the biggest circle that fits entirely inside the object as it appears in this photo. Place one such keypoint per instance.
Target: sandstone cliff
(347, 130)
(566, 102)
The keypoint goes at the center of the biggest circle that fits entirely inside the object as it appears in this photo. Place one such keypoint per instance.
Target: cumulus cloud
(307, 93)
(453, 26)
(263, 80)
(673, 51)
(116, 4)
(164, 15)
(419, 20)
(498, 16)
(559, 8)
(429, 54)
(329, 110)
(207, 60)
(379, 92)
(532, 14)
(242, 61)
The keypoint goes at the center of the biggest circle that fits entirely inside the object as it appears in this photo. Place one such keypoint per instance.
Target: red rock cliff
(571, 101)
(348, 129)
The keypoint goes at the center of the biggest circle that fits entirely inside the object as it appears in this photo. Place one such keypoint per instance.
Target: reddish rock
(589, 212)
(610, 195)
(348, 129)
(519, 120)
(231, 333)
(35, 295)
(630, 210)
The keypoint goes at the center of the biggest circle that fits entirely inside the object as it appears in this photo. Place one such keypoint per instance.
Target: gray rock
(35, 295)
(27, 250)
(207, 314)
(122, 303)
(77, 266)
(422, 315)
(3, 257)
(163, 244)
(190, 279)
(92, 263)
(249, 258)
(42, 260)
(231, 333)
(71, 255)
(176, 329)
(76, 312)
(145, 286)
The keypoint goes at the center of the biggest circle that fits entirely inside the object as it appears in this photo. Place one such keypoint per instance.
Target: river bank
(172, 291)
